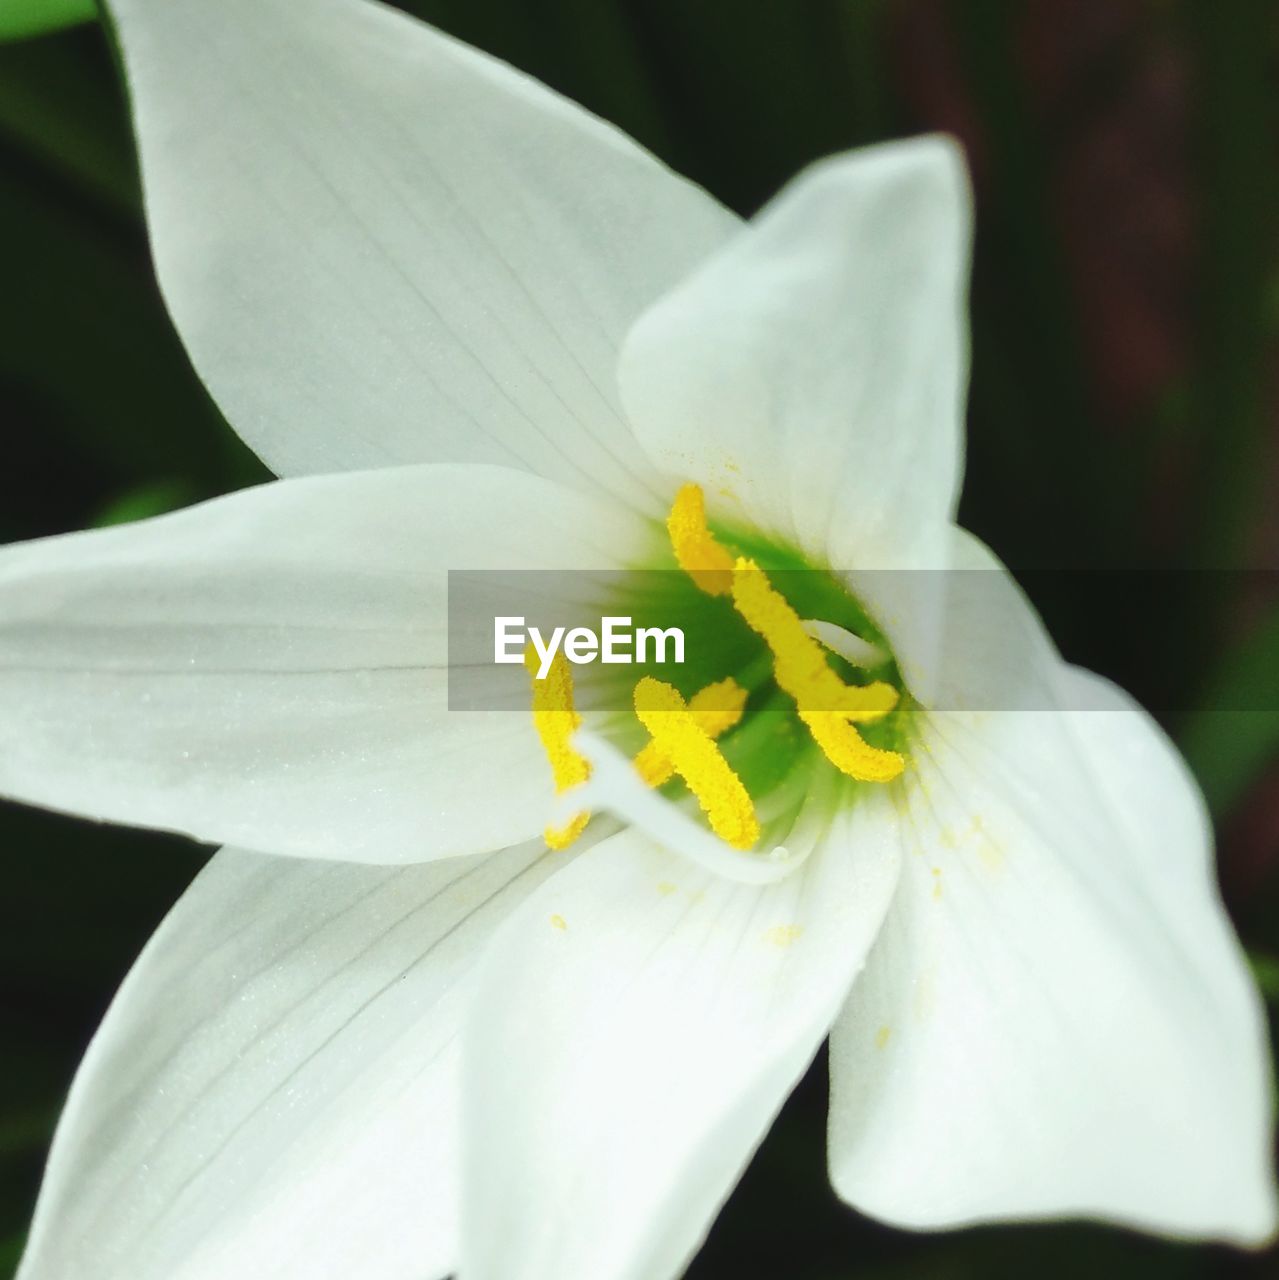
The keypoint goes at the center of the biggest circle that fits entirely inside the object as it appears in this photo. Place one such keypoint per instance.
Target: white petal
(274, 1091)
(638, 1023)
(991, 652)
(381, 246)
(810, 376)
(270, 669)
(1057, 1019)
(962, 630)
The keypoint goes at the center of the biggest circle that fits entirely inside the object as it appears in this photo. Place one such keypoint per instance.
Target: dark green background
(1123, 415)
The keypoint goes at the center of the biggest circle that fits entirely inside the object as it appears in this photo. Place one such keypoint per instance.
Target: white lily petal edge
(659, 1015)
(1058, 1020)
(271, 668)
(381, 246)
(274, 1092)
(811, 375)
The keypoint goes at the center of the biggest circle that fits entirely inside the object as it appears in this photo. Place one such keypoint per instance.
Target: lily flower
(392, 1030)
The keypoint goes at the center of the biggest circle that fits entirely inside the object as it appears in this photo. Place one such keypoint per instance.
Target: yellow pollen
(799, 661)
(782, 935)
(827, 706)
(848, 751)
(556, 720)
(824, 702)
(696, 550)
(695, 757)
(715, 709)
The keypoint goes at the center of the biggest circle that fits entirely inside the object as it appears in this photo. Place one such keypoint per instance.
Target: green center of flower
(787, 683)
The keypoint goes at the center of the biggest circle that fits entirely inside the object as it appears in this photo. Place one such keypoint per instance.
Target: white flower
(511, 337)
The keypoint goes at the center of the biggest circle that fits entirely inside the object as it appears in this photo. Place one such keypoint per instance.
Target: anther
(799, 662)
(556, 720)
(715, 709)
(694, 756)
(696, 550)
(826, 705)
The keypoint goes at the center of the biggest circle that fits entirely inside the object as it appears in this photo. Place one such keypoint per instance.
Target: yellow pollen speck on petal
(695, 757)
(716, 709)
(556, 720)
(936, 882)
(974, 838)
(696, 550)
(782, 935)
(882, 1037)
(558, 922)
(665, 888)
(990, 854)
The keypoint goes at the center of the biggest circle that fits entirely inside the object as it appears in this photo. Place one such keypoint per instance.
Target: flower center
(793, 675)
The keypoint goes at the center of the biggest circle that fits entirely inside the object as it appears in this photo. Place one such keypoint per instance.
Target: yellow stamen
(695, 757)
(696, 550)
(556, 720)
(716, 709)
(848, 751)
(799, 661)
(825, 703)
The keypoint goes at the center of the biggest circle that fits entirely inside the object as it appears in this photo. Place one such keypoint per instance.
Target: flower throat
(684, 733)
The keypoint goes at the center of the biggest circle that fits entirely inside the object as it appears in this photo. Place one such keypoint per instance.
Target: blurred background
(1124, 420)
